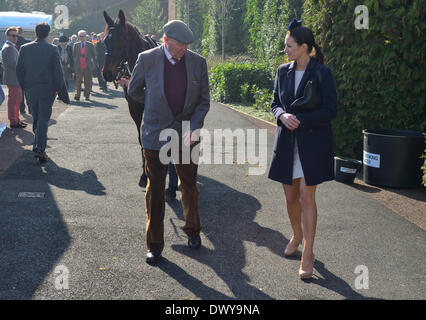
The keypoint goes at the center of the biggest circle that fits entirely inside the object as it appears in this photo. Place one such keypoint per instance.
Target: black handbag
(311, 98)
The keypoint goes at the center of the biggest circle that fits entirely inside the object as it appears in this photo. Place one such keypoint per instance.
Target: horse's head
(115, 43)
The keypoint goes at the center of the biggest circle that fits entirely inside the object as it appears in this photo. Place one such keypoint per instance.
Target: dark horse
(123, 44)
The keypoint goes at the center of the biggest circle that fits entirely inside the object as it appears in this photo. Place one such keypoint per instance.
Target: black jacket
(314, 135)
(70, 57)
(21, 41)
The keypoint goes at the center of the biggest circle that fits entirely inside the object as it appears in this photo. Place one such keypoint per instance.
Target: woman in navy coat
(303, 154)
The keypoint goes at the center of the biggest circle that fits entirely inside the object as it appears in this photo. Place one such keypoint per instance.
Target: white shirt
(12, 44)
(169, 56)
(297, 78)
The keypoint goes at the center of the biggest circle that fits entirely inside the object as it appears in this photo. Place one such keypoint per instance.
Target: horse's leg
(136, 112)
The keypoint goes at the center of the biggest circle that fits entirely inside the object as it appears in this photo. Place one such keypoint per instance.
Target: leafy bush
(227, 78)
(262, 98)
(379, 71)
(246, 93)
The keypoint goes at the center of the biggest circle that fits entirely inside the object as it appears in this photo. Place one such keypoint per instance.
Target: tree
(148, 17)
(253, 23)
(220, 12)
(193, 12)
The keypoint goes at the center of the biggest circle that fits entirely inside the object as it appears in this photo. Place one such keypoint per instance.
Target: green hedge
(233, 82)
(379, 72)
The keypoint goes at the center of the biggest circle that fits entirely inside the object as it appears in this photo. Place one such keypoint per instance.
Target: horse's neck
(134, 47)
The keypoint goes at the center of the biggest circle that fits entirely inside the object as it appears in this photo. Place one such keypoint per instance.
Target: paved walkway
(91, 220)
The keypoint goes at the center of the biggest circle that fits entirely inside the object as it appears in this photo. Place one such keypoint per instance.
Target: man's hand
(124, 82)
(290, 121)
(190, 137)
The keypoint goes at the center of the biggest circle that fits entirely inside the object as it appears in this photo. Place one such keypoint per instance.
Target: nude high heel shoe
(307, 273)
(290, 253)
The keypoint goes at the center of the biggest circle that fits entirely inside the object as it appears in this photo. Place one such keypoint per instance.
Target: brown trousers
(155, 199)
(86, 75)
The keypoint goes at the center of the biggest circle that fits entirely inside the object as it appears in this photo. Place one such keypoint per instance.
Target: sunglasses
(13, 35)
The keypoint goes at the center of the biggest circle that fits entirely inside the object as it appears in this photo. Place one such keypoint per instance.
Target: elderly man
(9, 55)
(85, 63)
(172, 82)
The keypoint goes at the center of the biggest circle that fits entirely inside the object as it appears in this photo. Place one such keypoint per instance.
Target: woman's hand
(290, 121)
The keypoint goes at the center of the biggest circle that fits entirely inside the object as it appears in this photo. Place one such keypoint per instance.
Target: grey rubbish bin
(392, 158)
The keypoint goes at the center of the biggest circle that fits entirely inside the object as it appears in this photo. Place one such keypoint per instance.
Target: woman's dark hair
(42, 30)
(304, 35)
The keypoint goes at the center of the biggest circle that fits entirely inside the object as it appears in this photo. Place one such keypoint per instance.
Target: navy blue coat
(314, 135)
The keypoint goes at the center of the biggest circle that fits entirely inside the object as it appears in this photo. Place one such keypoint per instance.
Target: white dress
(297, 166)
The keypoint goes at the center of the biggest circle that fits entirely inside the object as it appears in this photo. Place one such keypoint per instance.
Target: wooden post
(172, 10)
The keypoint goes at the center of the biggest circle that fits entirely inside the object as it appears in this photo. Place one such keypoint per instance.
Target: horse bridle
(123, 69)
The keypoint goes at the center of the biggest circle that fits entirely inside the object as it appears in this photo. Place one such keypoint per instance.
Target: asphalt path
(84, 236)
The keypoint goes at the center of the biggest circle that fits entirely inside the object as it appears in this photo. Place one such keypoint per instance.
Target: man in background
(100, 53)
(40, 75)
(84, 65)
(21, 41)
(9, 55)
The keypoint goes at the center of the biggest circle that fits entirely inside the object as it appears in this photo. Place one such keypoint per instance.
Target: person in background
(22, 40)
(100, 53)
(67, 61)
(2, 96)
(73, 40)
(40, 74)
(304, 154)
(9, 55)
(85, 63)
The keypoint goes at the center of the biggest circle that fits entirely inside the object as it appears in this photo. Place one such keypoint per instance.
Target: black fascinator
(294, 24)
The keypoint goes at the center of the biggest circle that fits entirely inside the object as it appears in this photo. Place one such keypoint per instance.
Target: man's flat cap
(179, 31)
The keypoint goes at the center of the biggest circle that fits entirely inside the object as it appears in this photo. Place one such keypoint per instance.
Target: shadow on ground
(230, 223)
(33, 234)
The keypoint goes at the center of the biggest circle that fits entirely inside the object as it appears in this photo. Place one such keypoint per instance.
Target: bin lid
(394, 133)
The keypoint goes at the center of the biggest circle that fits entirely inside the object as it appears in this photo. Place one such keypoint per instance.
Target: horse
(123, 43)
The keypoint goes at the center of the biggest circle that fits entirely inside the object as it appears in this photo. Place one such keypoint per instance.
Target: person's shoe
(41, 156)
(23, 124)
(153, 257)
(290, 250)
(17, 126)
(87, 98)
(194, 242)
(77, 98)
(170, 193)
(143, 180)
(307, 273)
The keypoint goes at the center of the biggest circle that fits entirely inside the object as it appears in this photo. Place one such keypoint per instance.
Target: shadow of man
(228, 224)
